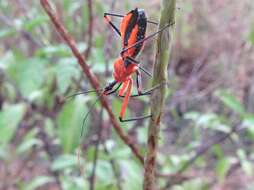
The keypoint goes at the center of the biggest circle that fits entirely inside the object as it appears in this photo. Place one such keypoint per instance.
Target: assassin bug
(132, 32)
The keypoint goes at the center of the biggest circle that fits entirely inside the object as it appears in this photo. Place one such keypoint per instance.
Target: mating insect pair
(132, 32)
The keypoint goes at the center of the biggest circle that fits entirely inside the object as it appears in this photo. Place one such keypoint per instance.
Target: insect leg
(111, 24)
(132, 60)
(121, 16)
(138, 81)
(113, 91)
(145, 71)
(113, 14)
(145, 93)
(148, 92)
(139, 66)
(135, 118)
(109, 87)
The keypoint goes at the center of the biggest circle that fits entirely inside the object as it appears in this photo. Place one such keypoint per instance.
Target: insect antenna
(79, 151)
(83, 92)
(87, 114)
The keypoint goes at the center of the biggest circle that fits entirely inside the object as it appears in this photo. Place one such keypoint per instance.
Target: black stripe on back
(131, 25)
(140, 35)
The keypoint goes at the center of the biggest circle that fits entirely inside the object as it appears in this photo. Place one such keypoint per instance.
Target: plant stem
(158, 96)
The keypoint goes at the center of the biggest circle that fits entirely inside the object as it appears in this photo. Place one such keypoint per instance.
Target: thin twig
(91, 77)
(90, 29)
(95, 158)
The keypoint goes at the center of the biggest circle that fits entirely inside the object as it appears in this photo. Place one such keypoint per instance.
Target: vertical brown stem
(158, 96)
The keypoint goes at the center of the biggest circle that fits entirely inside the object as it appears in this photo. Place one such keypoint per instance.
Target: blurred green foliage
(40, 128)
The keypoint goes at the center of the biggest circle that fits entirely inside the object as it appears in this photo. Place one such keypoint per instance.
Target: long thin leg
(145, 93)
(138, 81)
(146, 38)
(131, 59)
(137, 62)
(113, 91)
(145, 71)
(111, 24)
(109, 87)
(148, 92)
(135, 118)
(118, 15)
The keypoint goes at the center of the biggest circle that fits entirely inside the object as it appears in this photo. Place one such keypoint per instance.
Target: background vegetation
(207, 129)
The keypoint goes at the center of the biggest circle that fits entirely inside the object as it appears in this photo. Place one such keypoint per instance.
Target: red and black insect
(132, 31)
(133, 35)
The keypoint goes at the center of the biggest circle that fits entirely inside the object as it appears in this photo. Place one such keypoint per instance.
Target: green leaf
(54, 50)
(218, 150)
(248, 122)
(192, 115)
(132, 175)
(222, 167)
(104, 172)
(241, 154)
(251, 36)
(85, 17)
(70, 121)
(49, 128)
(230, 101)
(193, 184)
(64, 161)
(66, 70)
(71, 182)
(4, 152)
(7, 59)
(28, 144)
(208, 120)
(7, 32)
(97, 60)
(38, 182)
(142, 135)
(28, 74)
(247, 166)
(10, 117)
(29, 25)
(120, 153)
